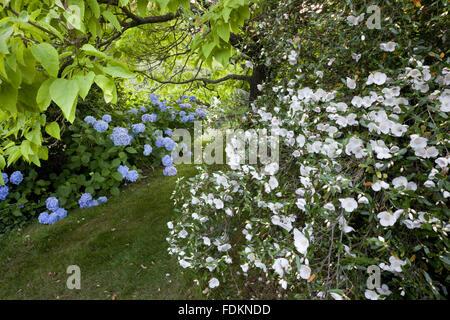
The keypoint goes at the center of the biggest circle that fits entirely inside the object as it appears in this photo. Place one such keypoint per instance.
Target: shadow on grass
(120, 248)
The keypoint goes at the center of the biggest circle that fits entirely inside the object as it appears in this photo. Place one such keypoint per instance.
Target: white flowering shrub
(363, 173)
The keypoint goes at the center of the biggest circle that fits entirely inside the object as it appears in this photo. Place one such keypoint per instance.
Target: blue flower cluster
(56, 214)
(130, 175)
(86, 201)
(149, 117)
(16, 178)
(120, 136)
(147, 150)
(138, 128)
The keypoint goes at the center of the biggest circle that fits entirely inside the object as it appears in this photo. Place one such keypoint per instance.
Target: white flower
(344, 226)
(356, 57)
(206, 241)
(378, 78)
(400, 182)
(363, 200)
(224, 247)
(418, 142)
(354, 21)
(319, 74)
(182, 234)
(213, 283)
(170, 225)
(371, 295)
(429, 184)
(273, 182)
(292, 58)
(389, 46)
(351, 84)
(349, 204)
(336, 296)
(384, 290)
(184, 264)
(329, 206)
(301, 203)
(441, 162)
(396, 264)
(305, 272)
(301, 243)
(377, 186)
(281, 266)
(301, 140)
(271, 168)
(387, 219)
(283, 284)
(218, 203)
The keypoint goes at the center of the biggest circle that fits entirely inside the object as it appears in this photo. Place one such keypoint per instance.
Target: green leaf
(223, 30)
(43, 98)
(64, 94)
(53, 130)
(2, 162)
(123, 3)
(118, 71)
(142, 7)
(108, 86)
(91, 50)
(93, 4)
(109, 16)
(34, 135)
(48, 57)
(117, 176)
(84, 83)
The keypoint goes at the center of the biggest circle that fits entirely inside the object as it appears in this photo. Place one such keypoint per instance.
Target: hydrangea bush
(96, 156)
(363, 173)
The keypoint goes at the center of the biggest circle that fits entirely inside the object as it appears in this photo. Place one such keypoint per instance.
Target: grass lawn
(120, 248)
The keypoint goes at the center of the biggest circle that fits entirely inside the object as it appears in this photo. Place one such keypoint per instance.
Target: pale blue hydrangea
(200, 112)
(120, 137)
(168, 132)
(101, 126)
(170, 171)
(149, 117)
(147, 149)
(123, 170)
(167, 161)
(133, 111)
(107, 118)
(162, 107)
(93, 203)
(102, 199)
(52, 203)
(138, 128)
(192, 99)
(182, 113)
(61, 213)
(132, 175)
(52, 218)
(43, 217)
(169, 144)
(5, 178)
(90, 120)
(16, 177)
(159, 142)
(185, 106)
(4, 191)
(85, 200)
(143, 109)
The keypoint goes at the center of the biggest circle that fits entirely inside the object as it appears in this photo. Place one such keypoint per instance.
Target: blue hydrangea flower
(200, 112)
(16, 177)
(85, 200)
(138, 128)
(120, 137)
(173, 116)
(168, 132)
(133, 111)
(169, 144)
(132, 175)
(143, 109)
(183, 97)
(123, 170)
(90, 120)
(101, 126)
(149, 117)
(192, 99)
(43, 217)
(159, 142)
(185, 106)
(5, 178)
(147, 149)
(191, 116)
(167, 161)
(52, 203)
(102, 199)
(4, 191)
(153, 98)
(182, 113)
(162, 107)
(93, 203)
(107, 118)
(52, 218)
(170, 171)
(61, 213)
